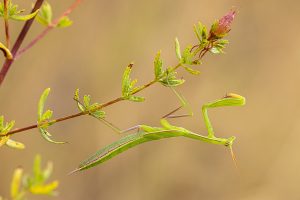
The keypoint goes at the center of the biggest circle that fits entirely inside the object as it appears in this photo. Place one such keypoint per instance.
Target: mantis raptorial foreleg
(230, 99)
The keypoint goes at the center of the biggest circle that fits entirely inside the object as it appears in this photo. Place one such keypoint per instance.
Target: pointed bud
(222, 26)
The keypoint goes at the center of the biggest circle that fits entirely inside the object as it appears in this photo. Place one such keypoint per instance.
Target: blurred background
(261, 63)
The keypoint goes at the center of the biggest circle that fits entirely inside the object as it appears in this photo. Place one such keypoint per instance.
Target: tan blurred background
(262, 63)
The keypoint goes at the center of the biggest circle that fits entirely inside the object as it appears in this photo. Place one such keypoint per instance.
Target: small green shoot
(5, 139)
(14, 13)
(35, 184)
(44, 118)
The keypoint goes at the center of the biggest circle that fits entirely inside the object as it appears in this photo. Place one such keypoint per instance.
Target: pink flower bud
(223, 25)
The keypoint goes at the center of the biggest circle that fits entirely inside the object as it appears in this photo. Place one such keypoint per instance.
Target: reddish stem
(19, 41)
(6, 23)
(47, 29)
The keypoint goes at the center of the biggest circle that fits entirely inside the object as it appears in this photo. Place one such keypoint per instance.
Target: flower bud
(222, 26)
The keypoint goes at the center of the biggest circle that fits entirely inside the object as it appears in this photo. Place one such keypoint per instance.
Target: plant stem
(19, 41)
(205, 50)
(5, 17)
(47, 29)
(85, 112)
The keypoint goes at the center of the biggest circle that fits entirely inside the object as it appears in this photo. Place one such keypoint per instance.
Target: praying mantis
(147, 133)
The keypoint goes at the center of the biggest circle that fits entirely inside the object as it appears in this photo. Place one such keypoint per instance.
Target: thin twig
(86, 112)
(5, 17)
(47, 29)
(205, 50)
(19, 41)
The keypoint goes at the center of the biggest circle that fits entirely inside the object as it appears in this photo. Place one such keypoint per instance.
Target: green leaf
(86, 101)
(158, 65)
(216, 50)
(14, 144)
(24, 17)
(132, 84)
(191, 71)
(99, 114)
(16, 183)
(187, 56)
(170, 80)
(64, 22)
(136, 99)
(214, 26)
(47, 115)
(201, 32)
(76, 98)
(1, 123)
(44, 189)
(45, 15)
(3, 140)
(8, 127)
(47, 171)
(177, 49)
(46, 135)
(126, 81)
(41, 104)
(173, 82)
(76, 95)
(37, 168)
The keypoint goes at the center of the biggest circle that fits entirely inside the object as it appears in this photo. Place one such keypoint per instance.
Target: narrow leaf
(126, 81)
(86, 101)
(158, 65)
(187, 56)
(14, 144)
(136, 99)
(3, 140)
(47, 115)
(64, 22)
(46, 135)
(44, 189)
(1, 122)
(177, 49)
(16, 182)
(24, 17)
(48, 171)
(190, 70)
(45, 15)
(41, 103)
(8, 127)
(37, 167)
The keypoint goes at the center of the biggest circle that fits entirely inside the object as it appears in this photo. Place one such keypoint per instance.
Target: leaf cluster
(14, 13)
(35, 184)
(5, 139)
(87, 106)
(44, 118)
(128, 86)
(45, 17)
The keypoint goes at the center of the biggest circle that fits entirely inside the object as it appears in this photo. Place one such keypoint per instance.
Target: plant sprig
(187, 59)
(8, 10)
(36, 184)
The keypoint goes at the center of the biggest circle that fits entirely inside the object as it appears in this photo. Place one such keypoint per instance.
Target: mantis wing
(124, 144)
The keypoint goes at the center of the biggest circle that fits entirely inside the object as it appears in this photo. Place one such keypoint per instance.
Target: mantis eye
(229, 141)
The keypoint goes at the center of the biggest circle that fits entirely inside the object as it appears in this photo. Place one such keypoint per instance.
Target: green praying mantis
(147, 133)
